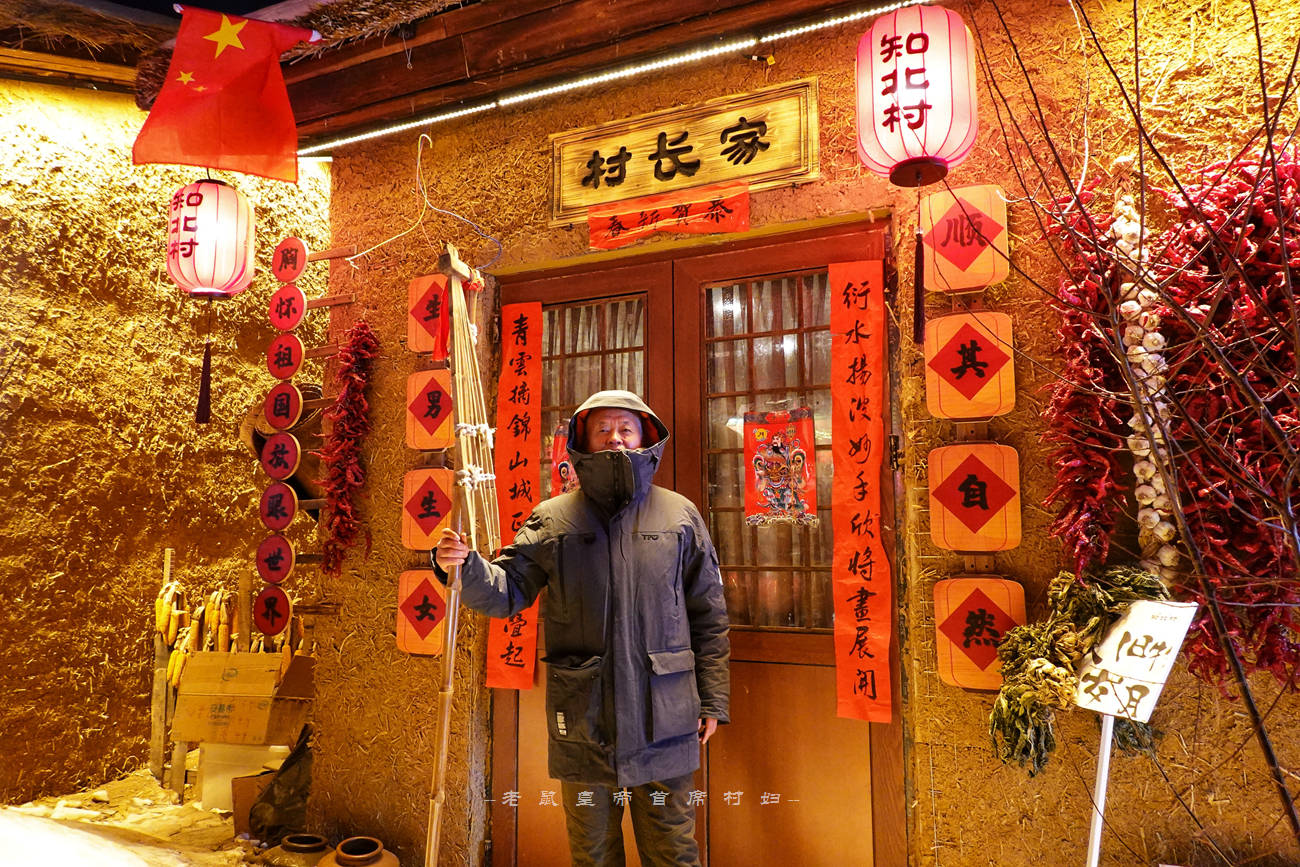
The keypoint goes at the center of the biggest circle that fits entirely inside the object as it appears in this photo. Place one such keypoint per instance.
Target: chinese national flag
(224, 104)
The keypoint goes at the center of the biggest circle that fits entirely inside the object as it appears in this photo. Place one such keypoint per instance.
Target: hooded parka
(636, 625)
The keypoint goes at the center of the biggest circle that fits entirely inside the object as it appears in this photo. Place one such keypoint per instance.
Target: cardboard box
(244, 791)
(231, 698)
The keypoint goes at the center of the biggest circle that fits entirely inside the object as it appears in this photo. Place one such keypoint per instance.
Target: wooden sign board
(428, 321)
(426, 507)
(969, 369)
(1127, 671)
(284, 356)
(429, 421)
(768, 137)
(287, 307)
(964, 238)
(971, 617)
(421, 612)
(975, 497)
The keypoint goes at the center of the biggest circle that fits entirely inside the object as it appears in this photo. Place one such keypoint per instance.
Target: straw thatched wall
(101, 465)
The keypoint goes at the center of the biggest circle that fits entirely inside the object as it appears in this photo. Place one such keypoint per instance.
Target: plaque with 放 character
(972, 614)
(426, 507)
(421, 612)
(429, 423)
(969, 372)
(975, 497)
(281, 455)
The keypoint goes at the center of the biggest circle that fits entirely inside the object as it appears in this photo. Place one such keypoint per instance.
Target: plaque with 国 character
(283, 406)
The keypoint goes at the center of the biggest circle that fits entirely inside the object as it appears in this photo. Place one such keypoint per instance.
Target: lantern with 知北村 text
(210, 240)
(916, 95)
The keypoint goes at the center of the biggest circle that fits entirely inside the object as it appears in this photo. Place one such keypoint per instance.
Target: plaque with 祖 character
(287, 307)
(426, 507)
(289, 260)
(283, 406)
(972, 614)
(275, 559)
(281, 455)
(279, 505)
(975, 497)
(421, 612)
(284, 356)
(271, 610)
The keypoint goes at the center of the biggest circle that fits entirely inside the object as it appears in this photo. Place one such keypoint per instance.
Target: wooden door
(747, 327)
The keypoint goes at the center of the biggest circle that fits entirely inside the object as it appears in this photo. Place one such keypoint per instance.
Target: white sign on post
(1124, 675)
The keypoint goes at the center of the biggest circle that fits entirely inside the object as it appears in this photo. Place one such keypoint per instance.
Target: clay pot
(360, 852)
(297, 850)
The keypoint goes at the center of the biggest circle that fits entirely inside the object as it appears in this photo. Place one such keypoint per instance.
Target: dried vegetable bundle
(1039, 659)
(340, 455)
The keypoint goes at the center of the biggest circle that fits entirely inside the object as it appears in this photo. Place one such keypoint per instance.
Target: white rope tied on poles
(475, 503)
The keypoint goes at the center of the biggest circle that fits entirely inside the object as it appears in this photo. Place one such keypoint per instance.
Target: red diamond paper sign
(965, 238)
(968, 373)
(422, 612)
(969, 361)
(428, 410)
(428, 323)
(426, 507)
(975, 497)
(972, 616)
(424, 608)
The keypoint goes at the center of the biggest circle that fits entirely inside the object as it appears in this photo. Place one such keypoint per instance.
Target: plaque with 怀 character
(975, 497)
(972, 614)
(426, 507)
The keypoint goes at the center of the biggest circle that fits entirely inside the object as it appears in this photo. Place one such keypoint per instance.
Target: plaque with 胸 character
(421, 612)
(275, 559)
(428, 323)
(964, 238)
(279, 505)
(969, 372)
(271, 610)
(971, 617)
(284, 356)
(289, 260)
(283, 406)
(975, 497)
(428, 410)
(281, 455)
(287, 307)
(426, 507)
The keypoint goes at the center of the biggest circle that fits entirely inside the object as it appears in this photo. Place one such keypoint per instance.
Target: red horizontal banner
(702, 211)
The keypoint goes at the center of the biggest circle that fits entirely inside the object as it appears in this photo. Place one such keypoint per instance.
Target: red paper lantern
(210, 240)
(916, 95)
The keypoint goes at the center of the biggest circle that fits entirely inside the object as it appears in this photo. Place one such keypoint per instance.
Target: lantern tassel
(203, 413)
(918, 293)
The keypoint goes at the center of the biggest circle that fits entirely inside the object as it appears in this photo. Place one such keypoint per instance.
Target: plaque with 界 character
(969, 372)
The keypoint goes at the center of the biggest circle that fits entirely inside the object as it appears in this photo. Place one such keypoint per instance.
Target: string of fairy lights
(729, 46)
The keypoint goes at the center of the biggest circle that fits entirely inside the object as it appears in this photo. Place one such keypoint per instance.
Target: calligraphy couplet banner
(701, 211)
(512, 642)
(860, 576)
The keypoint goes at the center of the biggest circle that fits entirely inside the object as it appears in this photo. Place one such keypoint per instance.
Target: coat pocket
(573, 699)
(674, 697)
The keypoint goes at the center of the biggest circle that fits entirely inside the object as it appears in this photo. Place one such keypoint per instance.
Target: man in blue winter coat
(636, 634)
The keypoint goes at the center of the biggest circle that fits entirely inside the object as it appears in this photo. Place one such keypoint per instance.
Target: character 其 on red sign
(780, 459)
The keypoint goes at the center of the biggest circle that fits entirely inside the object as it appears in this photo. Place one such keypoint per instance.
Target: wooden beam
(53, 65)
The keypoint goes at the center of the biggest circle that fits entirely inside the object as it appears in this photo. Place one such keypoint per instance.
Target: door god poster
(780, 468)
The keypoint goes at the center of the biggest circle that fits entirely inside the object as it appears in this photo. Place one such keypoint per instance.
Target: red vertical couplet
(860, 579)
(512, 642)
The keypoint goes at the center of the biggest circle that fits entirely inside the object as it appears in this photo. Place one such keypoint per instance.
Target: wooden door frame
(839, 240)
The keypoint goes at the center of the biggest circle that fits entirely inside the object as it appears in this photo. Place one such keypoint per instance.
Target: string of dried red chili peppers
(349, 425)
(1226, 265)
(1084, 423)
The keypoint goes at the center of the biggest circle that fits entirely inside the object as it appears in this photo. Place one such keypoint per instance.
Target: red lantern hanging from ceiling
(916, 95)
(210, 249)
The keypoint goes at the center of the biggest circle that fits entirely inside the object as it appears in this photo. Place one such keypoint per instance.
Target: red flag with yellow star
(224, 104)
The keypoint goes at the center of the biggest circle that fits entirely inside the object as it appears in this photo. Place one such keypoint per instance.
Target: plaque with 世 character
(975, 497)
(429, 422)
(971, 617)
(964, 238)
(968, 365)
(1126, 672)
(421, 612)
(275, 559)
(426, 507)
